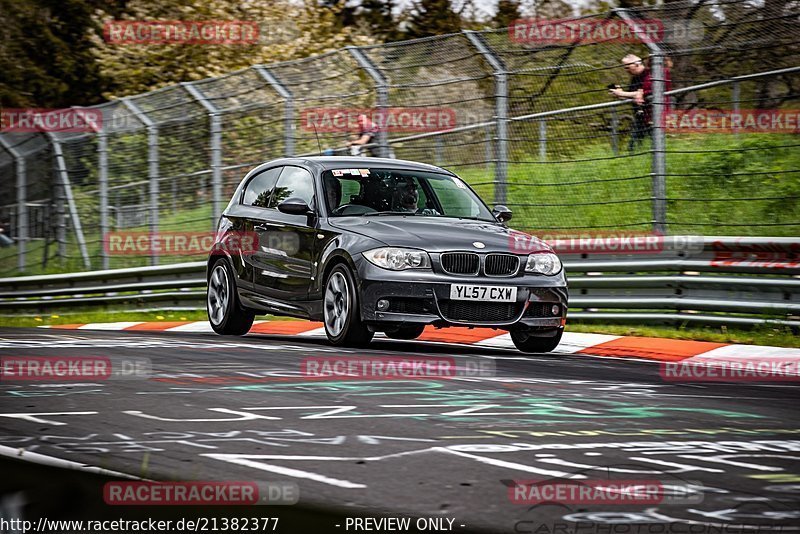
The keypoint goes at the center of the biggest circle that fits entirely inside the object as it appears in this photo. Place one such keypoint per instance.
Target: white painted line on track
(195, 327)
(52, 461)
(109, 326)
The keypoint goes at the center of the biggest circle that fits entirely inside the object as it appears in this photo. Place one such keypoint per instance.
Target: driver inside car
(407, 198)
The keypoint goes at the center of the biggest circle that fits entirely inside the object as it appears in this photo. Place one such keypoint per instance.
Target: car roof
(323, 163)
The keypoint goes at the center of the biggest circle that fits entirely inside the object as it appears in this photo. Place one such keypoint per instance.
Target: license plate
(483, 293)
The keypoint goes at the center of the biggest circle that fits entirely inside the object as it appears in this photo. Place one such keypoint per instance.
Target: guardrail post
(215, 133)
(501, 112)
(382, 95)
(659, 103)
(66, 189)
(102, 182)
(152, 166)
(21, 230)
(288, 107)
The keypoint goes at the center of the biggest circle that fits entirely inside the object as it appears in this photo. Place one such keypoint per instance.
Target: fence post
(288, 107)
(736, 98)
(66, 189)
(382, 95)
(21, 230)
(659, 102)
(489, 152)
(659, 146)
(542, 139)
(152, 166)
(437, 151)
(215, 133)
(501, 112)
(102, 181)
(615, 131)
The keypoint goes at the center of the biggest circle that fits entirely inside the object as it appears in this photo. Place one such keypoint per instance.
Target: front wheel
(528, 343)
(225, 312)
(341, 312)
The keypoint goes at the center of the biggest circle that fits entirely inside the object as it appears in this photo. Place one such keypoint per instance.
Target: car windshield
(373, 192)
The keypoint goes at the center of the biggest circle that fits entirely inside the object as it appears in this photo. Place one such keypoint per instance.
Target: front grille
(460, 262)
(479, 312)
(410, 305)
(501, 265)
(542, 309)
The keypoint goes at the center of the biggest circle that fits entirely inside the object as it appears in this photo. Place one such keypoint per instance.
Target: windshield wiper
(373, 213)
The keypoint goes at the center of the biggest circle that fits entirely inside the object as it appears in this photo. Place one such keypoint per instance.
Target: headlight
(547, 264)
(398, 259)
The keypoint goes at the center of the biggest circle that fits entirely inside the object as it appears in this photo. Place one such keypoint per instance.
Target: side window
(293, 182)
(259, 189)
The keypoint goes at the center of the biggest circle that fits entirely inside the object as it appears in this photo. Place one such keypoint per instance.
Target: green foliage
(433, 17)
(46, 55)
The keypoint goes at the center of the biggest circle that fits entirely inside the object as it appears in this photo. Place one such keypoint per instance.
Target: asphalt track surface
(240, 409)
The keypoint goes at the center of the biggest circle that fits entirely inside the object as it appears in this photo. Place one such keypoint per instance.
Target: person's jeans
(640, 130)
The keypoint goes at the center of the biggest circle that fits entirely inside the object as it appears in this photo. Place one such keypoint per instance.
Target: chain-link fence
(530, 123)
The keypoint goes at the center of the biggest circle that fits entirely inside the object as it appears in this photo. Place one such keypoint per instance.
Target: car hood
(439, 234)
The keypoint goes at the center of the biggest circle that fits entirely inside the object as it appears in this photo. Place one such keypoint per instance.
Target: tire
(225, 312)
(342, 312)
(526, 343)
(406, 332)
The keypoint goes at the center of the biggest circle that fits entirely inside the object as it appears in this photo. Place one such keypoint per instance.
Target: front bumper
(423, 297)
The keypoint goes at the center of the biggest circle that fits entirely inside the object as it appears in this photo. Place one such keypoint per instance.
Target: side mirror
(294, 206)
(501, 213)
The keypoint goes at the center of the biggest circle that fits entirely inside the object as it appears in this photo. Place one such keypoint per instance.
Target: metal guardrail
(712, 280)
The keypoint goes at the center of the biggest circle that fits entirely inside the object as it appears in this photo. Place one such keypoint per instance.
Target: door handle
(261, 227)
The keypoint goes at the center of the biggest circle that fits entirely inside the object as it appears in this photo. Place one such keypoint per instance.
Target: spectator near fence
(640, 92)
(367, 130)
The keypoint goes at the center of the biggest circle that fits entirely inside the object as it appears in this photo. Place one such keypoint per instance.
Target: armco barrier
(713, 280)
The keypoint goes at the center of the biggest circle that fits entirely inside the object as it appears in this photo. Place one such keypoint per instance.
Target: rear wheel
(341, 310)
(528, 343)
(225, 312)
(406, 332)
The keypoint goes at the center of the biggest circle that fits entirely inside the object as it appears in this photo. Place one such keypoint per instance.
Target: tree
(288, 30)
(378, 16)
(46, 54)
(433, 17)
(508, 11)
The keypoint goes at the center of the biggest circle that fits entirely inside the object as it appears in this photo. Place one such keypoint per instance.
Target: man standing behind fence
(640, 79)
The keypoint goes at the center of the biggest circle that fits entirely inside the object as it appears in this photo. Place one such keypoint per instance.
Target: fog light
(383, 305)
(555, 309)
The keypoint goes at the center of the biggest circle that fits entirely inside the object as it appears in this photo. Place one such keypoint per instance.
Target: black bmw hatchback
(379, 245)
